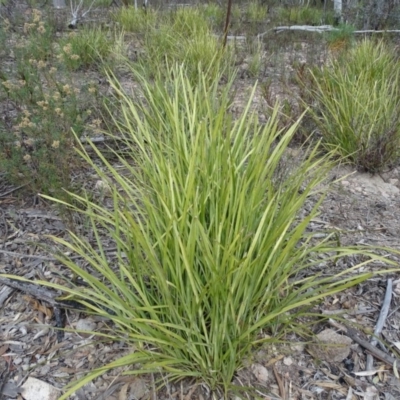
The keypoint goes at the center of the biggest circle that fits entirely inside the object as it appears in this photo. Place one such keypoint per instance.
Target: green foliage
(37, 39)
(86, 48)
(210, 246)
(256, 12)
(36, 142)
(214, 15)
(38, 150)
(184, 36)
(137, 21)
(188, 21)
(305, 15)
(356, 105)
(254, 52)
(341, 38)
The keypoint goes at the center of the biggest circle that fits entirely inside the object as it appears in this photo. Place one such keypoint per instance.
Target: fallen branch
(12, 190)
(353, 334)
(381, 320)
(321, 29)
(78, 14)
(308, 28)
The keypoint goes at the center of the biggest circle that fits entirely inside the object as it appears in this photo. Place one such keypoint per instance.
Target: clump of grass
(214, 15)
(135, 20)
(211, 249)
(184, 36)
(305, 15)
(341, 38)
(86, 48)
(255, 11)
(255, 57)
(356, 105)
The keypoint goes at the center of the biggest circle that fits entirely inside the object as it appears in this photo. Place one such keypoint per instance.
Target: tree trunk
(338, 8)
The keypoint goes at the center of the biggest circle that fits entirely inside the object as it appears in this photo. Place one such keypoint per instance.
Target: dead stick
(381, 320)
(44, 258)
(280, 383)
(353, 334)
(12, 190)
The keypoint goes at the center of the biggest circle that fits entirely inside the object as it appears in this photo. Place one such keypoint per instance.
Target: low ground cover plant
(184, 36)
(355, 102)
(211, 249)
(46, 102)
(87, 48)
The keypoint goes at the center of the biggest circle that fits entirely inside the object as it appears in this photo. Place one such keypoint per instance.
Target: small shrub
(86, 48)
(356, 105)
(135, 20)
(214, 15)
(341, 38)
(185, 37)
(304, 15)
(37, 147)
(37, 39)
(187, 22)
(255, 57)
(210, 247)
(256, 12)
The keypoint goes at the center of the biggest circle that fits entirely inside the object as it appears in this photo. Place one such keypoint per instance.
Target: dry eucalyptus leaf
(371, 393)
(368, 373)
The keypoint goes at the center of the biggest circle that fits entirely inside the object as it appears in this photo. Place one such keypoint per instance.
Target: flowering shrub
(36, 142)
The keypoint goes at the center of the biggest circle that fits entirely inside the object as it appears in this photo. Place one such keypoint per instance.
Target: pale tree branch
(77, 13)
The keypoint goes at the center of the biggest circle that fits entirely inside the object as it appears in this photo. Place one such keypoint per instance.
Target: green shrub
(304, 15)
(38, 150)
(214, 15)
(187, 22)
(255, 57)
(356, 105)
(86, 48)
(341, 38)
(36, 40)
(256, 12)
(185, 37)
(36, 140)
(136, 21)
(210, 245)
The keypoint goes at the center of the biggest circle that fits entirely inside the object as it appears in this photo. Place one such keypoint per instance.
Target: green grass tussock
(356, 105)
(211, 249)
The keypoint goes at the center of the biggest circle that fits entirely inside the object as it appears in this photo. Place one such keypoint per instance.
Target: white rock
(287, 361)
(102, 186)
(86, 325)
(260, 372)
(34, 389)
(330, 346)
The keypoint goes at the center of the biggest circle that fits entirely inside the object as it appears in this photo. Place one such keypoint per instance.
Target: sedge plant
(184, 36)
(356, 102)
(211, 247)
